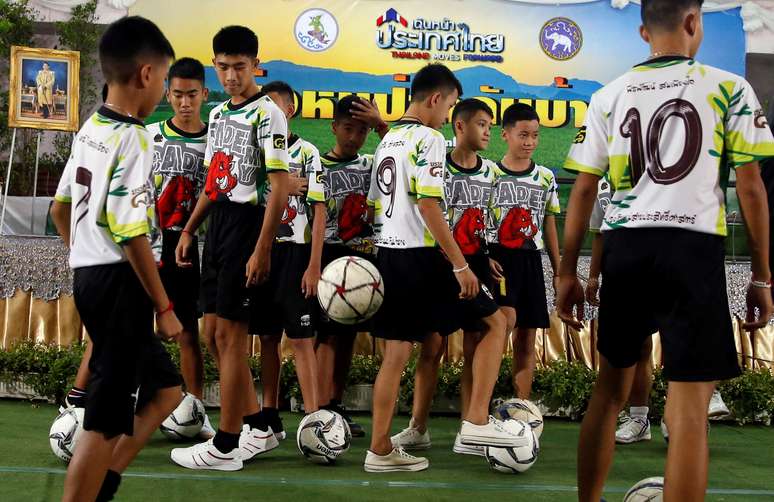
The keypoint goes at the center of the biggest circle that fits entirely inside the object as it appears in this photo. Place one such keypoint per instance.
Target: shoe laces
(403, 454)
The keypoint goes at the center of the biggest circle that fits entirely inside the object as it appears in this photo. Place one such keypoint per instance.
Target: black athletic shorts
(128, 363)
(279, 304)
(326, 326)
(524, 287)
(181, 284)
(672, 280)
(231, 236)
(421, 296)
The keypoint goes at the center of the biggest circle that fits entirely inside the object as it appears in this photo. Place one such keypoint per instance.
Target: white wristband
(761, 284)
(459, 270)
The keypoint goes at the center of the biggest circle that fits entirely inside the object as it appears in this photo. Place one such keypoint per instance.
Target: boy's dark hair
(433, 77)
(465, 109)
(518, 112)
(129, 42)
(235, 41)
(187, 68)
(280, 87)
(344, 106)
(666, 14)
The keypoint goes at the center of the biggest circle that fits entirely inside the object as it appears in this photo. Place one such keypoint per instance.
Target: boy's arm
(592, 287)
(183, 250)
(430, 209)
(259, 264)
(755, 209)
(368, 112)
(312, 274)
(552, 242)
(60, 213)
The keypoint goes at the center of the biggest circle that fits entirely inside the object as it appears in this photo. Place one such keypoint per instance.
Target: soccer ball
(350, 290)
(186, 421)
(521, 409)
(647, 490)
(65, 432)
(514, 460)
(323, 436)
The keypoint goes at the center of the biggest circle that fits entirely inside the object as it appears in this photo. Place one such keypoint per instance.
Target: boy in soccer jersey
(346, 179)
(468, 182)
(104, 212)
(665, 149)
(428, 282)
(289, 302)
(246, 147)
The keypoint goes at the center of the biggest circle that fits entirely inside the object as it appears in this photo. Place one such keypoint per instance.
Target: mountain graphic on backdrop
(302, 77)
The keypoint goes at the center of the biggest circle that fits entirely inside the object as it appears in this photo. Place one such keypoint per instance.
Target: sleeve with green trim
(63, 192)
(747, 135)
(552, 201)
(130, 194)
(275, 141)
(429, 166)
(314, 170)
(588, 153)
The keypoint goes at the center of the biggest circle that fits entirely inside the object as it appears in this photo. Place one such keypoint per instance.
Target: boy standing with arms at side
(667, 150)
(104, 212)
(426, 291)
(246, 147)
(525, 202)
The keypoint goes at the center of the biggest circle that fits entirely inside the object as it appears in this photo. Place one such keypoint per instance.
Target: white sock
(638, 412)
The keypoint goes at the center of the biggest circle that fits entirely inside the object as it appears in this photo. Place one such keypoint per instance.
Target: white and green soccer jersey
(245, 143)
(296, 223)
(107, 181)
(408, 166)
(520, 202)
(604, 195)
(178, 172)
(667, 133)
(467, 192)
(347, 182)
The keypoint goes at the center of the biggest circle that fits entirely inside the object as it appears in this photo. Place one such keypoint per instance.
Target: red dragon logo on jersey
(517, 228)
(219, 177)
(352, 217)
(469, 230)
(175, 202)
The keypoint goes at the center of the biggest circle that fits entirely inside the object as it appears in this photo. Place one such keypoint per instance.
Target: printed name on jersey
(510, 193)
(653, 86)
(176, 158)
(464, 193)
(342, 181)
(93, 144)
(242, 155)
(279, 141)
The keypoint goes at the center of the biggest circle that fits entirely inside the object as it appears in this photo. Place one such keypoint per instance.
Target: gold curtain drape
(23, 317)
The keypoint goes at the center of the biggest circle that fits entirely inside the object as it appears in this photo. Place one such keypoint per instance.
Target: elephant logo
(561, 39)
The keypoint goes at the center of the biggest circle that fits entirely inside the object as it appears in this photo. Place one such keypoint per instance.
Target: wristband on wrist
(184, 231)
(461, 269)
(760, 284)
(167, 309)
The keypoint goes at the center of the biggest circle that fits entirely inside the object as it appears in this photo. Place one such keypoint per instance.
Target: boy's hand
(183, 250)
(169, 325)
(592, 287)
(297, 185)
(555, 284)
(368, 112)
(468, 281)
(496, 269)
(569, 296)
(258, 267)
(757, 298)
(309, 282)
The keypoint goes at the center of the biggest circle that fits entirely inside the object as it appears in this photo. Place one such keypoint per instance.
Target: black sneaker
(355, 428)
(272, 419)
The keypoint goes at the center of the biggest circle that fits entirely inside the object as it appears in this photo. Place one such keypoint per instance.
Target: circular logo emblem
(316, 30)
(561, 38)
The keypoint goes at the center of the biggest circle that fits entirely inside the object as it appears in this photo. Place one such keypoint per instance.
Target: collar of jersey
(201, 135)
(337, 161)
(465, 170)
(663, 61)
(230, 107)
(532, 167)
(114, 115)
(403, 122)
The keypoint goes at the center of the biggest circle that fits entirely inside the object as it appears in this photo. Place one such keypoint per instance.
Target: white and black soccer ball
(65, 431)
(647, 490)
(186, 421)
(514, 460)
(323, 436)
(521, 409)
(350, 290)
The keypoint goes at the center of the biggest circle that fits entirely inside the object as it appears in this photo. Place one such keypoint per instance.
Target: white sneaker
(205, 456)
(495, 433)
(717, 408)
(253, 442)
(207, 432)
(633, 430)
(463, 449)
(411, 439)
(396, 461)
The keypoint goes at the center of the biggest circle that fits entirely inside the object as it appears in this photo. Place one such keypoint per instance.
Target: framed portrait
(43, 92)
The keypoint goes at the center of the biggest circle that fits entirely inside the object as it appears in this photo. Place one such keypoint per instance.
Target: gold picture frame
(44, 89)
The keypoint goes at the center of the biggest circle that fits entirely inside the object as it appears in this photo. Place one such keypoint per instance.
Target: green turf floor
(741, 470)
